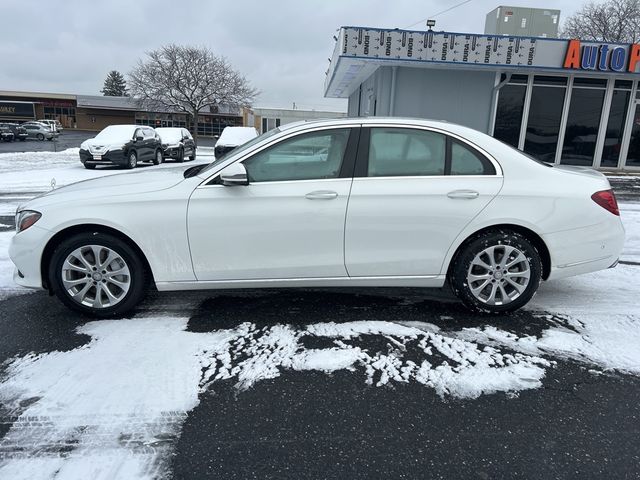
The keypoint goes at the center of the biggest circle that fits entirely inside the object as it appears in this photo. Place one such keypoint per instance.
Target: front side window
(406, 152)
(315, 155)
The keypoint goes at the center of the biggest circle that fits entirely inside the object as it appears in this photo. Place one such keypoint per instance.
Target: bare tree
(609, 21)
(188, 79)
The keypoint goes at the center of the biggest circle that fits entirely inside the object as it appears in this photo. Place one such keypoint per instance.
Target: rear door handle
(321, 195)
(468, 194)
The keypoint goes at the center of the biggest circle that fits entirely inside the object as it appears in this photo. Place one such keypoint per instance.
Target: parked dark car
(19, 132)
(6, 135)
(123, 145)
(176, 143)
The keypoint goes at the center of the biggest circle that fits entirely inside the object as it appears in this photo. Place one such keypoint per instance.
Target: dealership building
(94, 112)
(567, 102)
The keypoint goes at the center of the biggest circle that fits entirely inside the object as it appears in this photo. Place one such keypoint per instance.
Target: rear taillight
(607, 200)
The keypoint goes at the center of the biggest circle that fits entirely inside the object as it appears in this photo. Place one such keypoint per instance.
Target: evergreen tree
(115, 85)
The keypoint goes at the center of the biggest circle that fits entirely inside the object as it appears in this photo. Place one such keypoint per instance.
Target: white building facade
(564, 102)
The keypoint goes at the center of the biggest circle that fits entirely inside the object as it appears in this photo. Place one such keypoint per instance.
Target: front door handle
(321, 195)
(468, 194)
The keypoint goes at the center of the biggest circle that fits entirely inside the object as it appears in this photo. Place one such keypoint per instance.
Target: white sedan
(339, 203)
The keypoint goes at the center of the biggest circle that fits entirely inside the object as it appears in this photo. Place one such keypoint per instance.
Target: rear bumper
(586, 249)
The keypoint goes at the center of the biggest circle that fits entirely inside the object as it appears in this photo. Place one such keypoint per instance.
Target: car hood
(110, 186)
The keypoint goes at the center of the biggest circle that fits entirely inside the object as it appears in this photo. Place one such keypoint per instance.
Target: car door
(414, 191)
(138, 143)
(288, 222)
(187, 139)
(149, 143)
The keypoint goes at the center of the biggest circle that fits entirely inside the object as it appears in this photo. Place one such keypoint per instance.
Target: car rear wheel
(40, 137)
(97, 274)
(157, 160)
(133, 160)
(497, 272)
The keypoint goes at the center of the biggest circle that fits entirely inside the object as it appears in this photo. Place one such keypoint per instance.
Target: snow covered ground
(24, 175)
(116, 404)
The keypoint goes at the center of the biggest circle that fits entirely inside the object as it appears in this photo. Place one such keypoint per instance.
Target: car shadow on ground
(263, 308)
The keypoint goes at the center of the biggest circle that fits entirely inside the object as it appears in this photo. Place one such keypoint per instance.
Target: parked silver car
(40, 132)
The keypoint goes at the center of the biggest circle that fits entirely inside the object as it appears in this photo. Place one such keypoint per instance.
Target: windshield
(241, 148)
(116, 133)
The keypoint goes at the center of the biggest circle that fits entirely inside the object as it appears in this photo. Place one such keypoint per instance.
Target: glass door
(633, 154)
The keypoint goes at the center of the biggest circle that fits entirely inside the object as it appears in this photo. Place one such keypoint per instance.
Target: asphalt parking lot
(316, 425)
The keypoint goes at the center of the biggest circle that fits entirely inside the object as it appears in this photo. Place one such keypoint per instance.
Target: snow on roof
(234, 136)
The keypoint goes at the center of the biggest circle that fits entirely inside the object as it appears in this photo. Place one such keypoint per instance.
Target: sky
(281, 47)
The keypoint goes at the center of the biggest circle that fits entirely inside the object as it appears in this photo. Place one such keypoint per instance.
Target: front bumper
(171, 152)
(111, 157)
(25, 251)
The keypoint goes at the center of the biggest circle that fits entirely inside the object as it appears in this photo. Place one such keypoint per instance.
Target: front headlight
(25, 219)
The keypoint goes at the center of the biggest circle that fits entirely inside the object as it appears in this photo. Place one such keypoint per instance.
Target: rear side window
(405, 152)
(467, 161)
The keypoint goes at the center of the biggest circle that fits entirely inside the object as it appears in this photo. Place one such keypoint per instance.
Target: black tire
(462, 264)
(157, 157)
(180, 155)
(40, 137)
(193, 155)
(132, 160)
(89, 166)
(139, 276)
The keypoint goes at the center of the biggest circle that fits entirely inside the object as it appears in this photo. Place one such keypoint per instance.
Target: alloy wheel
(96, 276)
(498, 275)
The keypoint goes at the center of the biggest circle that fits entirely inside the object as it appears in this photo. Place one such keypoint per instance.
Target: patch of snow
(110, 409)
(630, 214)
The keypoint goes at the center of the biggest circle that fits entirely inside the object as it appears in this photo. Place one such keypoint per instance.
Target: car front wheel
(158, 158)
(133, 160)
(497, 272)
(97, 274)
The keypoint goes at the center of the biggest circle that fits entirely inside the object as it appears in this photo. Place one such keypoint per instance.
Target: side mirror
(233, 175)
(139, 139)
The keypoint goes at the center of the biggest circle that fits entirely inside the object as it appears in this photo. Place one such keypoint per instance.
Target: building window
(615, 124)
(269, 124)
(583, 121)
(509, 112)
(633, 154)
(545, 114)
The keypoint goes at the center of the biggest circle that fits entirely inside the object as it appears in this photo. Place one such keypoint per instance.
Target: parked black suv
(176, 143)
(19, 133)
(6, 135)
(123, 145)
